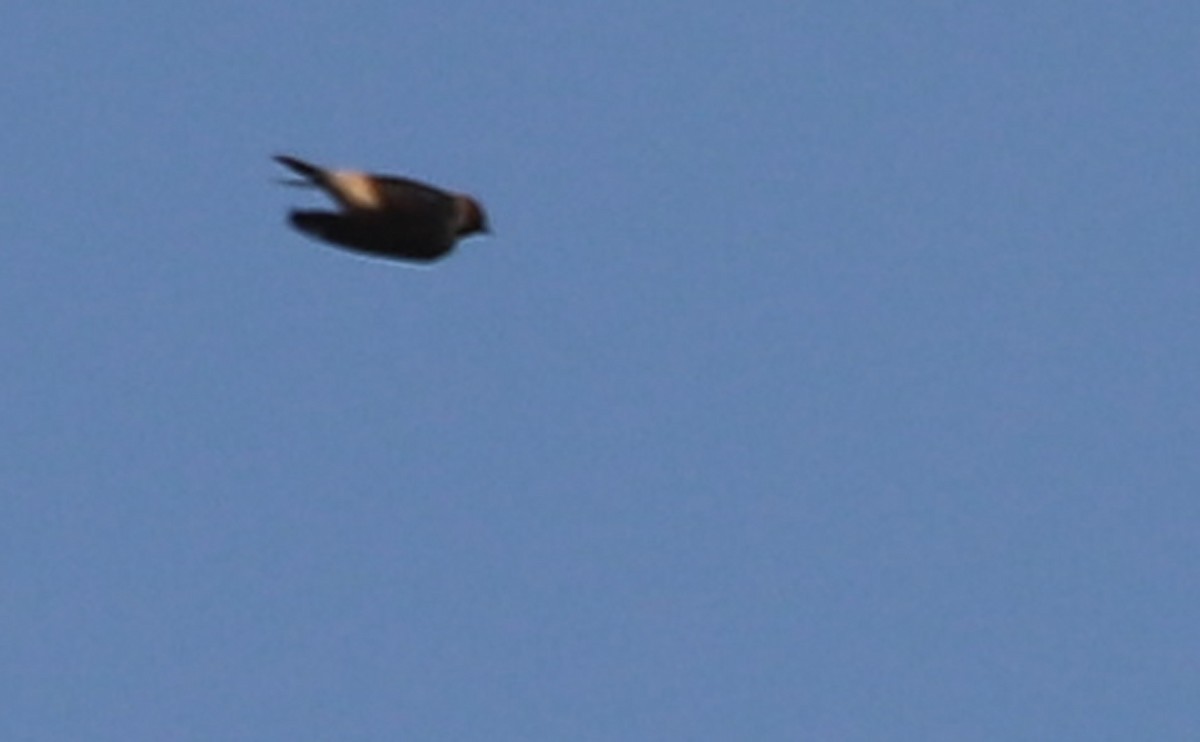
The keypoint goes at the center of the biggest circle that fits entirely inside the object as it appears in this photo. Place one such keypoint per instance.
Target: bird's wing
(396, 189)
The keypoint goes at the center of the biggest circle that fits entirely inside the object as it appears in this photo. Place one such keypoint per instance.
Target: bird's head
(472, 218)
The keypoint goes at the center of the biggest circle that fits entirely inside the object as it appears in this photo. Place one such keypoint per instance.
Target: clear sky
(831, 374)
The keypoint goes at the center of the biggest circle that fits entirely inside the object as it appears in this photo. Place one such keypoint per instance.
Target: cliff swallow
(384, 215)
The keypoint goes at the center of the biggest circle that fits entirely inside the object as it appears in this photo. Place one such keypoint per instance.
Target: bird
(385, 216)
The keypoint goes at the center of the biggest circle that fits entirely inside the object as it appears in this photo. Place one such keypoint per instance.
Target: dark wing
(405, 193)
(390, 235)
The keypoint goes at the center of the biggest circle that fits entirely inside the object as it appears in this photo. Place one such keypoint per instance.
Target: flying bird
(384, 215)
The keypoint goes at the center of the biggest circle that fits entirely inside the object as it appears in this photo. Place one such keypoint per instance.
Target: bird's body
(386, 216)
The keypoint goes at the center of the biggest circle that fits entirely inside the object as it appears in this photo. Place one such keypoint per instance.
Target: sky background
(831, 374)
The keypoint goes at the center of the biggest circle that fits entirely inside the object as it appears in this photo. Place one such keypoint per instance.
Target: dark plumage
(384, 215)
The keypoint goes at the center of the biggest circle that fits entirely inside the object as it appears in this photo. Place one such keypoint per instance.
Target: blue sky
(831, 374)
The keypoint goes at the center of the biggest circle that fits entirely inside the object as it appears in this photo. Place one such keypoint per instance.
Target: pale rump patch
(354, 190)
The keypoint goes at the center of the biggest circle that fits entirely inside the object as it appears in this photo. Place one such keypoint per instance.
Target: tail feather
(296, 182)
(306, 169)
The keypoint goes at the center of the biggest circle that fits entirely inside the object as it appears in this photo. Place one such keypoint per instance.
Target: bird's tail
(296, 182)
(308, 170)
